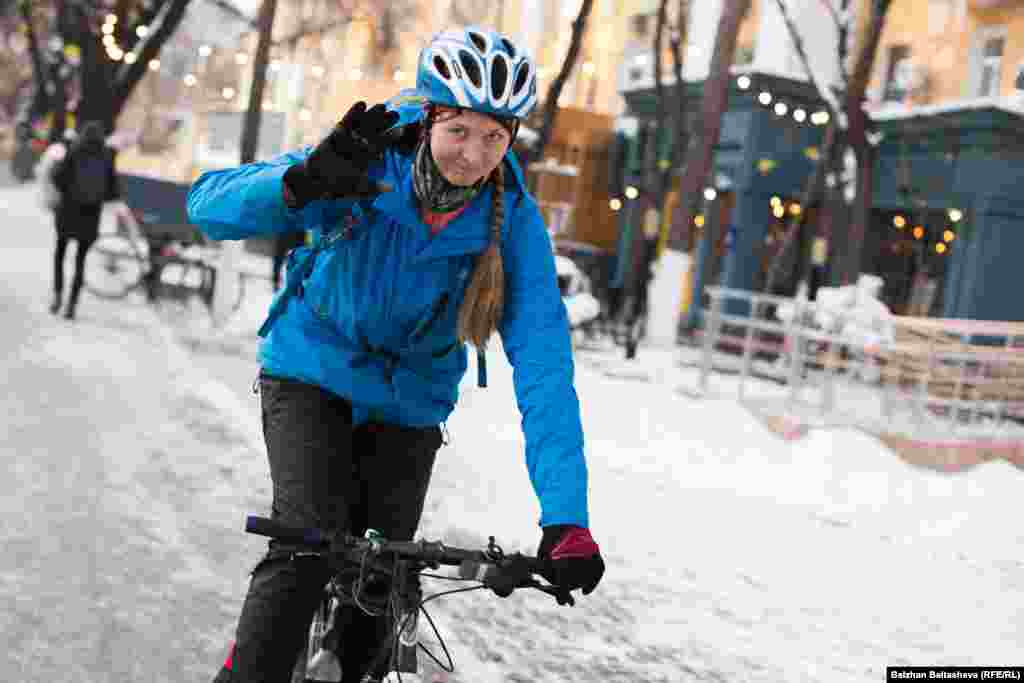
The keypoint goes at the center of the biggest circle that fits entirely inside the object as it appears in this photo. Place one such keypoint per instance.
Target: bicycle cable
(357, 589)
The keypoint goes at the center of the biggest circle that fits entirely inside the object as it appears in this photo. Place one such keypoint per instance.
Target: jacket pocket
(320, 288)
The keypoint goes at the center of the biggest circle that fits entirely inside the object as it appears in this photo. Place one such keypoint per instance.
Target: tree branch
(555, 91)
(798, 43)
(34, 51)
(129, 75)
(236, 13)
(308, 29)
(676, 41)
(716, 97)
(661, 111)
(122, 33)
(145, 18)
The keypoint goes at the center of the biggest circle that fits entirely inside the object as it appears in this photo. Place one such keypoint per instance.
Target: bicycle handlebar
(491, 567)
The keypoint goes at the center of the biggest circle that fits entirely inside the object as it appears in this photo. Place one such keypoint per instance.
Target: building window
(989, 66)
(897, 76)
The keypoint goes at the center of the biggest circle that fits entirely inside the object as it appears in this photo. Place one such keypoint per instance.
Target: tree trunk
(674, 265)
(857, 135)
(716, 96)
(251, 127)
(96, 72)
(40, 100)
(813, 191)
(555, 91)
(662, 298)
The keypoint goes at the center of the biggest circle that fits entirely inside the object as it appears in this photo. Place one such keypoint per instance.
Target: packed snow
(133, 452)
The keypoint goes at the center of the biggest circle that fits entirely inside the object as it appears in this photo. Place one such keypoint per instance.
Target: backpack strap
(342, 230)
(481, 369)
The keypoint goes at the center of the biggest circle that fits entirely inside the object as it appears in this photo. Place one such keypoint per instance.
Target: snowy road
(132, 454)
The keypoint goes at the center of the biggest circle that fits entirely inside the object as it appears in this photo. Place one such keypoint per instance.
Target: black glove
(571, 558)
(337, 167)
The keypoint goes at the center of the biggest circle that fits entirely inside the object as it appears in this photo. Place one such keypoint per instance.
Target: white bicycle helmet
(477, 69)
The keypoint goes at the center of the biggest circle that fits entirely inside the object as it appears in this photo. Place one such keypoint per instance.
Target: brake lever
(562, 596)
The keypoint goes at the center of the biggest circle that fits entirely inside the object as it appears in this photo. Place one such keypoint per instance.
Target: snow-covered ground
(132, 452)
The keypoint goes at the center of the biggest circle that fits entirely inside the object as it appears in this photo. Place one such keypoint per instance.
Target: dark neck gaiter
(434, 192)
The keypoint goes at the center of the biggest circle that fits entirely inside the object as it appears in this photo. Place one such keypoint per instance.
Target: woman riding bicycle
(424, 238)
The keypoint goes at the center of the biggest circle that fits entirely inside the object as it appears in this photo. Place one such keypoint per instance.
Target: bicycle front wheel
(114, 266)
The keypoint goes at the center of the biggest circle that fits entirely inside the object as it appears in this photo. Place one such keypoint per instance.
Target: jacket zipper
(435, 313)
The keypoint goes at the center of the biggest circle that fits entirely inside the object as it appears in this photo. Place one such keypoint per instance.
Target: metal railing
(954, 388)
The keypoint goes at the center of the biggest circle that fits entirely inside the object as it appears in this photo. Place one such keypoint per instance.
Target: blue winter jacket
(369, 309)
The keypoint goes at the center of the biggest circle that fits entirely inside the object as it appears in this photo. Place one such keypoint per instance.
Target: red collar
(438, 221)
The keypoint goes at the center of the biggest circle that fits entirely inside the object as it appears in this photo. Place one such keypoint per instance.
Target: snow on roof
(1010, 105)
(551, 165)
(754, 70)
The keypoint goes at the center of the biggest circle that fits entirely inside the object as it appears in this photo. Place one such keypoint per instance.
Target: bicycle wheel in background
(114, 267)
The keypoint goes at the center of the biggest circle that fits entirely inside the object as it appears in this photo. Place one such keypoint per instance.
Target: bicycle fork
(326, 640)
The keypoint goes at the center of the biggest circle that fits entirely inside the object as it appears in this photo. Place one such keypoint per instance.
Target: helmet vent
(521, 78)
(472, 69)
(478, 41)
(509, 46)
(442, 67)
(499, 78)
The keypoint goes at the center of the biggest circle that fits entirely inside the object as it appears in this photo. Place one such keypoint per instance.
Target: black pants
(80, 223)
(329, 475)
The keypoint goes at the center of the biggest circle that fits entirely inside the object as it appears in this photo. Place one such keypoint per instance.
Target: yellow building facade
(941, 51)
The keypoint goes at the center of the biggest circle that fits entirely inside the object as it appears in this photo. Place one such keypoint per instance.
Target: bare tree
(308, 26)
(815, 186)
(71, 68)
(847, 129)
(669, 121)
(857, 133)
(716, 92)
(550, 108)
(669, 115)
(251, 124)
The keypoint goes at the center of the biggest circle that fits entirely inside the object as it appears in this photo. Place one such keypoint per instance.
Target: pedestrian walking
(85, 179)
(424, 239)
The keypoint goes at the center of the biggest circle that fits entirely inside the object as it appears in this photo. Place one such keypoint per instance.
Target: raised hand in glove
(571, 558)
(337, 167)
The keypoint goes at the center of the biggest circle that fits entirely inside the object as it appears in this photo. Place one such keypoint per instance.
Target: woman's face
(467, 146)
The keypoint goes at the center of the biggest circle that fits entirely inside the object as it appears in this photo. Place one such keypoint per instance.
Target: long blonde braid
(485, 297)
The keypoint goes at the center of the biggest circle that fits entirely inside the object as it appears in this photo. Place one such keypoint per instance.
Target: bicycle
(166, 262)
(382, 578)
(118, 260)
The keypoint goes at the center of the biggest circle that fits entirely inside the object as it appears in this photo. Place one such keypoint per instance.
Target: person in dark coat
(85, 178)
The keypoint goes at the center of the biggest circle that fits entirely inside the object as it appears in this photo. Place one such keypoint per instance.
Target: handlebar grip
(263, 526)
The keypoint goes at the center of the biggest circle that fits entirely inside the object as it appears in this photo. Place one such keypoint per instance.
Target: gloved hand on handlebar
(336, 168)
(571, 557)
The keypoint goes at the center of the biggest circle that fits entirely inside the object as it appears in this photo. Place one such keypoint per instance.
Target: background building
(947, 115)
